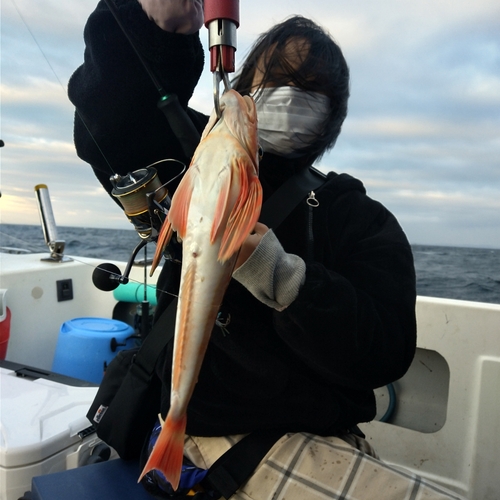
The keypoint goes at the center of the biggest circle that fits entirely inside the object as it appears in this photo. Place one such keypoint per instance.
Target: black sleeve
(118, 127)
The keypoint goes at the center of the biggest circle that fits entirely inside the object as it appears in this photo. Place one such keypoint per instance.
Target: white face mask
(289, 118)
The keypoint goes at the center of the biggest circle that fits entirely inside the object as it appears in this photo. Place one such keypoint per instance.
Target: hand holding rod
(179, 121)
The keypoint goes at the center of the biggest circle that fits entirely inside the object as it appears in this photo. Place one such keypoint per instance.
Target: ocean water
(446, 272)
(458, 273)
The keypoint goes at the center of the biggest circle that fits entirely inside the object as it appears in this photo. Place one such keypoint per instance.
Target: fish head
(239, 118)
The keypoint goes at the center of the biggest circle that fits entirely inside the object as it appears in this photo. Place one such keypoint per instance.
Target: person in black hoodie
(321, 310)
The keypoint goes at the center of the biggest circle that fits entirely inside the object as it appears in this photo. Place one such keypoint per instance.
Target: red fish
(214, 209)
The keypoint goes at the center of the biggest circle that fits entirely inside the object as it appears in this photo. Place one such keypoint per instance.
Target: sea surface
(447, 272)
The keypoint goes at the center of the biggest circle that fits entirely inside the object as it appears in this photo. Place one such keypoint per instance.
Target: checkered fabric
(308, 467)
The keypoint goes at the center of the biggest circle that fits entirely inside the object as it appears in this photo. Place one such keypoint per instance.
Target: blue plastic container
(85, 346)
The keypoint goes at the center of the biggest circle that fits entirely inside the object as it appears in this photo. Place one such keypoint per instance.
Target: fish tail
(168, 451)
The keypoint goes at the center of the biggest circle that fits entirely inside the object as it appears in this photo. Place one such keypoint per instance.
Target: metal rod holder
(49, 228)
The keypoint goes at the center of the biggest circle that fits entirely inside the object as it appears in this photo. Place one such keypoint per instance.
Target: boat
(440, 421)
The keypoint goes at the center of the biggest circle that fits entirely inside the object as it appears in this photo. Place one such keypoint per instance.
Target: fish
(213, 210)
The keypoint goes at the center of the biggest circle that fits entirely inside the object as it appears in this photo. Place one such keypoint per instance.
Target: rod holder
(49, 228)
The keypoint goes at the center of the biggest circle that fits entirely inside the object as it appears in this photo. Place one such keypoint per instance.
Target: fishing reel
(146, 203)
(144, 198)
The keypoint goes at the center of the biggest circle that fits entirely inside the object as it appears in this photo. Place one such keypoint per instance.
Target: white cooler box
(43, 426)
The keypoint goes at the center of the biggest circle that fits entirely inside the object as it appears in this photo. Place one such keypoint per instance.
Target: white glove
(176, 16)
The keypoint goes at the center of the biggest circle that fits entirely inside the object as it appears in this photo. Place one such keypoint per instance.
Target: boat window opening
(420, 398)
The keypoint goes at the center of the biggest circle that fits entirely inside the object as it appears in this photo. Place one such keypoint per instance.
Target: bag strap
(233, 468)
(276, 209)
(159, 336)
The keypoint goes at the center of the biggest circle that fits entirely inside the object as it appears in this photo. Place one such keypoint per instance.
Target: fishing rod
(138, 190)
(182, 126)
(145, 202)
(221, 17)
(147, 219)
(105, 276)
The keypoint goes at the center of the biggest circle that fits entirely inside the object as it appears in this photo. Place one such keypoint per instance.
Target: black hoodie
(313, 366)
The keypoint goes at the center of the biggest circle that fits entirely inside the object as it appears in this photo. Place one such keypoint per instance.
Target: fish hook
(219, 76)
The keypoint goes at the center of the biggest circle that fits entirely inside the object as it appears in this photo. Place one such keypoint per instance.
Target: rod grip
(180, 123)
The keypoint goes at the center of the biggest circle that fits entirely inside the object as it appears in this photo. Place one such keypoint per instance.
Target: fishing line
(177, 118)
(33, 248)
(112, 7)
(62, 85)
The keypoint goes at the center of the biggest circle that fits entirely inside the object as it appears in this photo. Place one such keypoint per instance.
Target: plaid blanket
(305, 466)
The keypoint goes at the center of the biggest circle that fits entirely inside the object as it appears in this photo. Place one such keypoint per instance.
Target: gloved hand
(269, 273)
(175, 16)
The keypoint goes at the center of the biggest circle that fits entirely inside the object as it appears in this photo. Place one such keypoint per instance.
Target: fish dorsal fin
(244, 214)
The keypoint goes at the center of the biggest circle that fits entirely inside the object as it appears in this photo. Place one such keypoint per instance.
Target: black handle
(180, 123)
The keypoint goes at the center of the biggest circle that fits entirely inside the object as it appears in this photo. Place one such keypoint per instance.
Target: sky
(422, 133)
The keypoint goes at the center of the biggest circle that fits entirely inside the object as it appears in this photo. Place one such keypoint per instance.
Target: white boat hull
(458, 359)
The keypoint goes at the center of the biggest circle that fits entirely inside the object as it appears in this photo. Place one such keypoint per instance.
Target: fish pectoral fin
(220, 208)
(243, 217)
(168, 451)
(178, 213)
(164, 237)
(176, 219)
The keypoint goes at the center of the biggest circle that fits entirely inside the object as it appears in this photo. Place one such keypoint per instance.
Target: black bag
(128, 400)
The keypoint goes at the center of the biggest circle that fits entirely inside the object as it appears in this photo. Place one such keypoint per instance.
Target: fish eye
(261, 152)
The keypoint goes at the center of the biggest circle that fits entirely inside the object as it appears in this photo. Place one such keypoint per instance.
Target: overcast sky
(423, 130)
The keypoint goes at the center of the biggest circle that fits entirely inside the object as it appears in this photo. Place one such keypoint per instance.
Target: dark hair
(323, 70)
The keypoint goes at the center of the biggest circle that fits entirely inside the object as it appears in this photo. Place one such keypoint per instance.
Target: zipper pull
(312, 201)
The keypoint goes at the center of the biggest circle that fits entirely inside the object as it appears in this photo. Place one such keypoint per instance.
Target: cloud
(423, 131)
(33, 91)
